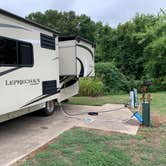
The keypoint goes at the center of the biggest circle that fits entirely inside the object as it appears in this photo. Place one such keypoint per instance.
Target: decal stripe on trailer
(86, 48)
(12, 26)
(9, 71)
(41, 97)
(82, 67)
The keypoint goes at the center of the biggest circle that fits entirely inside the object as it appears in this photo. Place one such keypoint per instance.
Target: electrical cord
(66, 113)
(84, 113)
(89, 113)
(116, 109)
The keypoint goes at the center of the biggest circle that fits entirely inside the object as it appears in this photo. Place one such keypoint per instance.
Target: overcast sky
(107, 11)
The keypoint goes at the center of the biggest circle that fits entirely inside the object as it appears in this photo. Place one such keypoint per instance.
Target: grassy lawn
(83, 147)
(158, 102)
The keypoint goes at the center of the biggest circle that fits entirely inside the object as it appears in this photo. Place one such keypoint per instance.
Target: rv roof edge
(78, 38)
(4, 12)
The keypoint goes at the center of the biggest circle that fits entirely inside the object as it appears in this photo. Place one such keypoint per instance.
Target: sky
(110, 12)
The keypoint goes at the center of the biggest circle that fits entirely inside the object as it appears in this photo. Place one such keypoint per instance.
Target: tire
(49, 109)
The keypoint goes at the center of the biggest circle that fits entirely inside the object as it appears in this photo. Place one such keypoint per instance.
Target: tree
(136, 48)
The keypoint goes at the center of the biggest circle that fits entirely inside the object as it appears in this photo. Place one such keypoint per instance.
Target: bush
(135, 84)
(91, 87)
(158, 85)
(114, 81)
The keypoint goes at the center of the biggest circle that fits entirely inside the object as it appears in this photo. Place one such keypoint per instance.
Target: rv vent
(47, 41)
(49, 87)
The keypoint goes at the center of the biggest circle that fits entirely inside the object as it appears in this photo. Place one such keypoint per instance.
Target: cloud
(25, 7)
(117, 11)
(110, 11)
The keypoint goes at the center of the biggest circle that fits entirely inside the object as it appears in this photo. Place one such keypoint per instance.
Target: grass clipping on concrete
(83, 147)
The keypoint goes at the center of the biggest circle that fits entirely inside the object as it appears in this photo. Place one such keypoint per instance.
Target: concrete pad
(21, 136)
(113, 120)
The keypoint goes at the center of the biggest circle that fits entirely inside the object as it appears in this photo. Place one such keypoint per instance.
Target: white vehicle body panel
(21, 88)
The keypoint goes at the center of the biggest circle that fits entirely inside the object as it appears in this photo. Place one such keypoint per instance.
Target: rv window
(15, 53)
(47, 41)
(25, 54)
(8, 51)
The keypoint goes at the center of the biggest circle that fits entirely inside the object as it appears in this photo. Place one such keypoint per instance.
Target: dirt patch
(99, 131)
(157, 119)
(78, 149)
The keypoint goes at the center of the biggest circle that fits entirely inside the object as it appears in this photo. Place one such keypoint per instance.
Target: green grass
(78, 147)
(81, 147)
(98, 101)
(158, 102)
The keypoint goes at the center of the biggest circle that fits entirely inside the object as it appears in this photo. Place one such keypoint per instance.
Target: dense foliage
(113, 79)
(91, 87)
(135, 51)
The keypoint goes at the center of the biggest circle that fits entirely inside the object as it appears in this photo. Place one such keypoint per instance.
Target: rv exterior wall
(76, 58)
(69, 91)
(85, 53)
(21, 87)
(32, 62)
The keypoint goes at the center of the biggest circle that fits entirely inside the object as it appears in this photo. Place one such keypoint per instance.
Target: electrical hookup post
(146, 99)
(136, 106)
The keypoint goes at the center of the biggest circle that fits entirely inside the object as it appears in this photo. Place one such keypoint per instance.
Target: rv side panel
(21, 86)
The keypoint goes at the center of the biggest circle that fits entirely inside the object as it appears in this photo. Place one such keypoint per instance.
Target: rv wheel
(49, 109)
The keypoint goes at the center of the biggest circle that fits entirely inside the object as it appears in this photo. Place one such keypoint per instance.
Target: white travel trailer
(37, 67)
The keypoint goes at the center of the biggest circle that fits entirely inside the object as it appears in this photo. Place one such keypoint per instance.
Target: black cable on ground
(95, 113)
(83, 113)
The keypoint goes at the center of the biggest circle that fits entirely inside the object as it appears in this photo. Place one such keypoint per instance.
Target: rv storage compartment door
(76, 57)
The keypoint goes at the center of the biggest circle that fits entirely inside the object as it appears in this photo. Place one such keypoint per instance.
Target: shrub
(135, 84)
(91, 87)
(114, 81)
(158, 84)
